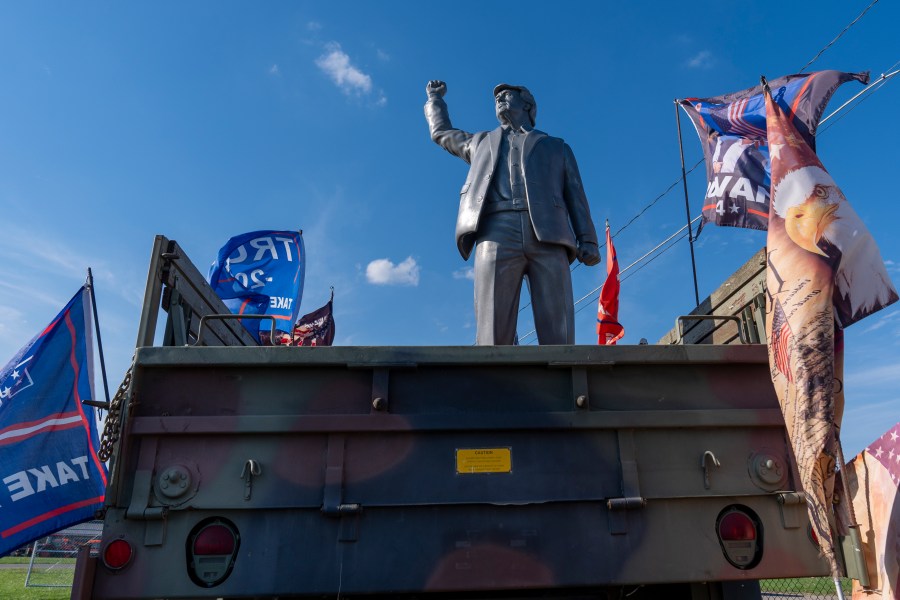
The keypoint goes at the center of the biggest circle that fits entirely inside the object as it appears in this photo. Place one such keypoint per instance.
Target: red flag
(824, 273)
(609, 330)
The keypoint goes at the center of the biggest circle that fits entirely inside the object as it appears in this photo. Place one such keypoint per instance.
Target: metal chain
(112, 427)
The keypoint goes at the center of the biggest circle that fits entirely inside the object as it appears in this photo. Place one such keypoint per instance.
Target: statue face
(510, 102)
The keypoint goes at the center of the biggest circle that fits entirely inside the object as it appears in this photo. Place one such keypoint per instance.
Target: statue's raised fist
(436, 87)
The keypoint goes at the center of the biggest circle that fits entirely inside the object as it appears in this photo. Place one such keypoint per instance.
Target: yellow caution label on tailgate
(483, 460)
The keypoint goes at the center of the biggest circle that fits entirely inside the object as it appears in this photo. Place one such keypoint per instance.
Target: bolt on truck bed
(472, 472)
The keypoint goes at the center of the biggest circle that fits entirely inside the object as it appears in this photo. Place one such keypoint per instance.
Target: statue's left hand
(588, 253)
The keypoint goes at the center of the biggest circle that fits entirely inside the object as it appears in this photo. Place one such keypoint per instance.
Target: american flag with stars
(886, 450)
(873, 480)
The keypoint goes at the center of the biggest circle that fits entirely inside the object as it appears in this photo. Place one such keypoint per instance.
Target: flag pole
(687, 206)
(90, 287)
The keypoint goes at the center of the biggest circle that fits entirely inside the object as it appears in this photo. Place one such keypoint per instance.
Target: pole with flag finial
(687, 206)
(90, 287)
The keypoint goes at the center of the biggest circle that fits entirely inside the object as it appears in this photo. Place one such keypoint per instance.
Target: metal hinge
(333, 504)
(792, 518)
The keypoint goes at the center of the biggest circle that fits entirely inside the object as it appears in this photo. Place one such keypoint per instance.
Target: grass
(38, 560)
(12, 582)
(806, 585)
(12, 585)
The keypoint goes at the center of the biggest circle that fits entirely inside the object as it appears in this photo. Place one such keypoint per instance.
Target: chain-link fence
(807, 588)
(52, 564)
(52, 561)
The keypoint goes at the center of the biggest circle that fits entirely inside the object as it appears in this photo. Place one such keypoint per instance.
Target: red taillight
(740, 535)
(212, 549)
(737, 526)
(214, 539)
(117, 554)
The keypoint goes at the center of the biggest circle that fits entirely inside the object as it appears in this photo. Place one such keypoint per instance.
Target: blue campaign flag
(262, 272)
(732, 129)
(50, 475)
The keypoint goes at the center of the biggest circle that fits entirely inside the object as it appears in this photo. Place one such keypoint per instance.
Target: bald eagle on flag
(824, 273)
(818, 218)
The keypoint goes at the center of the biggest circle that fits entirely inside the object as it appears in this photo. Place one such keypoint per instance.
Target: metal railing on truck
(734, 313)
(175, 285)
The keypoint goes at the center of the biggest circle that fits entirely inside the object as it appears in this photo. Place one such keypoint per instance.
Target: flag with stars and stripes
(51, 475)
(732, 130)
(781, 341)
(873, 477)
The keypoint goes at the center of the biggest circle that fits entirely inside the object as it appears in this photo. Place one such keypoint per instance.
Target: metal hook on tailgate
(705, 467)
(251, 469)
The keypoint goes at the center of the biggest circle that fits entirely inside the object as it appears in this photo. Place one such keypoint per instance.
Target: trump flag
(315, 328)
(262, 272)
(732, 130)
(824, 272)
(50, 476)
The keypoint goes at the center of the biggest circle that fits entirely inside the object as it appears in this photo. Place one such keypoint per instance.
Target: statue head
(529, 105)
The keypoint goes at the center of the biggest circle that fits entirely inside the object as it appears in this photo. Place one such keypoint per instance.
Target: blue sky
(203, 120)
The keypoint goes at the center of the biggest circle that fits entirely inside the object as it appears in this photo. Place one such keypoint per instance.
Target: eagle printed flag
(50, 475)
(609, 330)
(732, 129)
(873, 478)
(824, 273)
(262, 272)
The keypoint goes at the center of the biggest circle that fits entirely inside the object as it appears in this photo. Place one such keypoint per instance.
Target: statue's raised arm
(523, 210)
(455, 141)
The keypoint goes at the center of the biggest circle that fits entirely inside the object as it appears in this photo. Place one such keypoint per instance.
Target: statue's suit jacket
(554, 193)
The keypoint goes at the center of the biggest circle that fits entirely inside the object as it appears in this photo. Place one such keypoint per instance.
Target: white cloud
(336, 64)
(313, 26)
(383, 272)
(382, 55)
(882, 375)
(702, 60)
(466, 273)
(274, 70)
(882, 319)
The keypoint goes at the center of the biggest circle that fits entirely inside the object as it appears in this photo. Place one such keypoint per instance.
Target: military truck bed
(476, 471)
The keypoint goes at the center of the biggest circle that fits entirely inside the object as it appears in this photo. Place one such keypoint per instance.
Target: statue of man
(524, 211)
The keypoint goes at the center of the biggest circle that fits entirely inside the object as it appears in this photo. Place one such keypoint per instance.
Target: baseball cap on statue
(526, 96)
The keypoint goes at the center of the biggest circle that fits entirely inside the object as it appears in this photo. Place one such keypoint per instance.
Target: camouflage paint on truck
(478, 472)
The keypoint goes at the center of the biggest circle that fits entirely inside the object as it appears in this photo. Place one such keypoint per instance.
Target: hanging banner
(50, 475)
(262, 272)
(732, 130)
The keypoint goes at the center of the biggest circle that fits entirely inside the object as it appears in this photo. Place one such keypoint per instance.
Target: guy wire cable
(596, 289)
(831, 43)
(868, 89)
